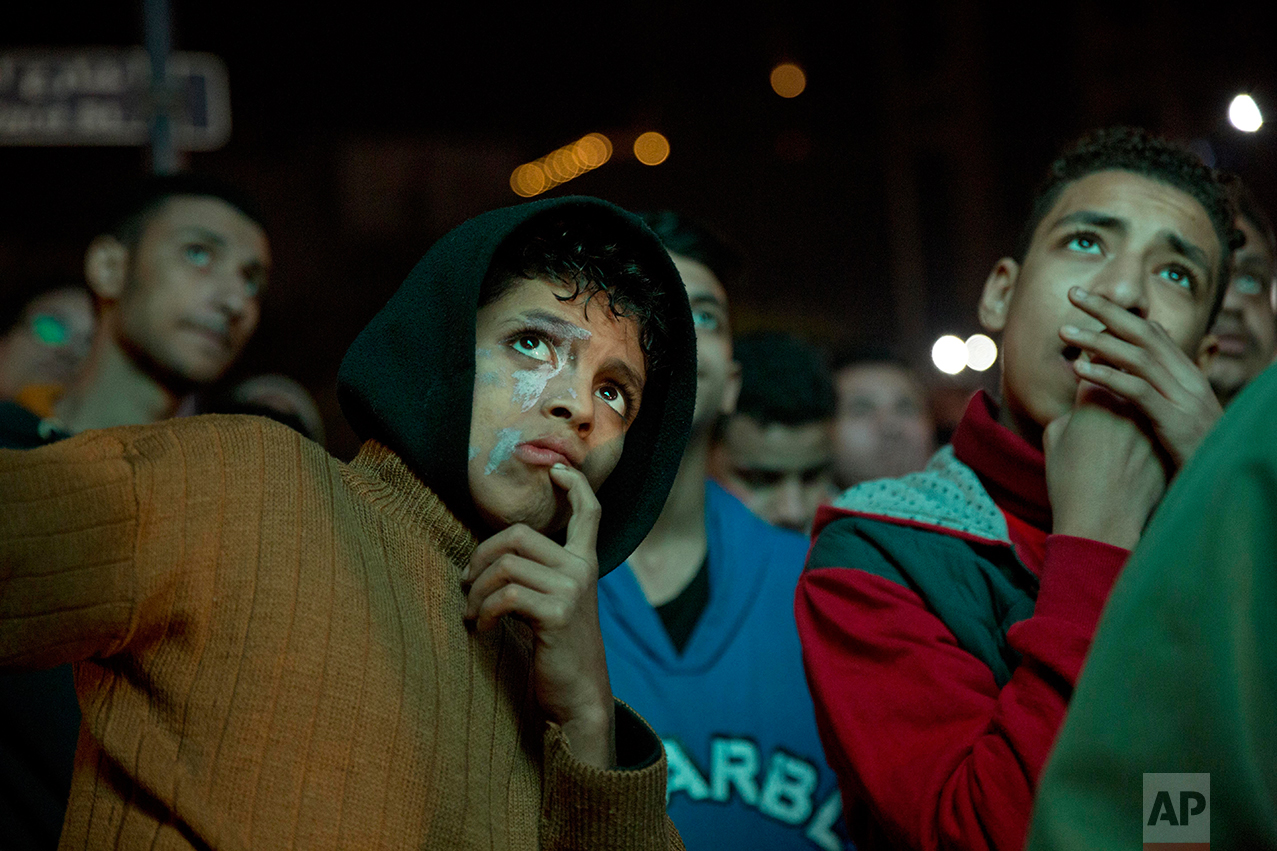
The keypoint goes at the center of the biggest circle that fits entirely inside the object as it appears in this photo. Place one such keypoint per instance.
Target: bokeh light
(1244, 114)
(949, 354)
(651, 148)
(593, 150)
(561, 165)
(982, 352)
(788, 80)
(529, 179)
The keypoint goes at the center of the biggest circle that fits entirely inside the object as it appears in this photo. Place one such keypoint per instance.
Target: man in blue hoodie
(699, 626)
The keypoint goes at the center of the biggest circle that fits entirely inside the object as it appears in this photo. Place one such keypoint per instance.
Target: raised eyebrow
(1184, 248)
(201, 233)
(626, 372)
(701, 300)
(1091, 218)
(557, 325)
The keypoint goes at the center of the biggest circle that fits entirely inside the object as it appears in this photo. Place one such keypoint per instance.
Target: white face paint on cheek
(529, 384)
(507, 439)
(474, 452)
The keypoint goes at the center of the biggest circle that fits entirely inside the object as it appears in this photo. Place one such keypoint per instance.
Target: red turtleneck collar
(1011, 470)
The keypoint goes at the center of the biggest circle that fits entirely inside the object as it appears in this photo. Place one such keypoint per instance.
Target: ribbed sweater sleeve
(585, 807)
(68, 529)
(272, 653)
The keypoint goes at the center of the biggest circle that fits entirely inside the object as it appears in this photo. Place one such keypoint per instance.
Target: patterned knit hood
(408, 379)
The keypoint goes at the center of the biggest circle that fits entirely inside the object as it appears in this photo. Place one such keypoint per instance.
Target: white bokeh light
(949, 354)
(982, 352)
(1244, 114)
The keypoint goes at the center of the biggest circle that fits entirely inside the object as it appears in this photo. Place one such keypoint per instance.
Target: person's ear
(731, 391)
(106, 266)
(995, 301)
(1207, 351)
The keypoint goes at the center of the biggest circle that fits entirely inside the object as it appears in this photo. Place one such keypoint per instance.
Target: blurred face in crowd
(781, 472)
(717, 375)
(1246, 326)
(1146, 246)
(883, 425)
(49, 342)
(555, 382)
(185, 299)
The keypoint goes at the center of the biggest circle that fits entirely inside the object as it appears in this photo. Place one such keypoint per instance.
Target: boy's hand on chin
(554, 589)
(1143, 365)
(1104, 474)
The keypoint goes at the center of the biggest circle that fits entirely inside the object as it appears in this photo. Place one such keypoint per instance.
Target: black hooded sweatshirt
(408, 379)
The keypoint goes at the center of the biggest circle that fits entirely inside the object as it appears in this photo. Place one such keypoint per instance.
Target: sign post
(106, 96)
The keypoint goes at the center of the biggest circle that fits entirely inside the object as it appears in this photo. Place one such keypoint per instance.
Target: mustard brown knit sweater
(271, 653)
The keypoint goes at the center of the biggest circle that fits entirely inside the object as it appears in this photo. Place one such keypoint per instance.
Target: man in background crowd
(883, 426)
(47, 337)
(775, 452)
(1247, 327)
(176, 278)
(699, 627)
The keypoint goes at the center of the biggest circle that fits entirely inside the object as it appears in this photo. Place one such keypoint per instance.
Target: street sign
(103, 96)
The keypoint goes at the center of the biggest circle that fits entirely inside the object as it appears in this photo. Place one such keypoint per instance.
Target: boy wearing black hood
(272, 647)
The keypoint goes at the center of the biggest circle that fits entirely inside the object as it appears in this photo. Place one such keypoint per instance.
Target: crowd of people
(604, 575)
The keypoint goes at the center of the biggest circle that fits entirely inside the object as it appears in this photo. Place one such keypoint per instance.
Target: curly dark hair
(1139, 152)
(585, 255)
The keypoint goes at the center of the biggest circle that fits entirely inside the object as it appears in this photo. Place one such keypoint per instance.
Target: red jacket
(943, 630)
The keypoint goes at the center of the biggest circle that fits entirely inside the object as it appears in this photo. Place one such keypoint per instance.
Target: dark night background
(872, 206)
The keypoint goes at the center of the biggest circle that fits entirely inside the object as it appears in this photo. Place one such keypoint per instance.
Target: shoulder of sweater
(212, 438)
(210, 427)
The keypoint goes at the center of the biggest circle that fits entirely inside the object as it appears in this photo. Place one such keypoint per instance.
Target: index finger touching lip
(1119, 321)
(583, 526)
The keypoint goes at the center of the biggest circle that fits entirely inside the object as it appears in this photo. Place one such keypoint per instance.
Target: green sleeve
(1182, 675)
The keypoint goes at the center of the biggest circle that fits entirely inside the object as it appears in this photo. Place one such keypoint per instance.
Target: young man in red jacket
(945, 615)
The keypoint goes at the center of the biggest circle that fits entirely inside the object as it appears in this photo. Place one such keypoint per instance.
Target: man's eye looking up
(198, 255)
(1084, 243)
(1179, 276)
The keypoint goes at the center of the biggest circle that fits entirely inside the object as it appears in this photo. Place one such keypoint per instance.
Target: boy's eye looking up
(1179, 276)
(615, 398)
(1084, 242)
(198, 255)
(534, 347)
